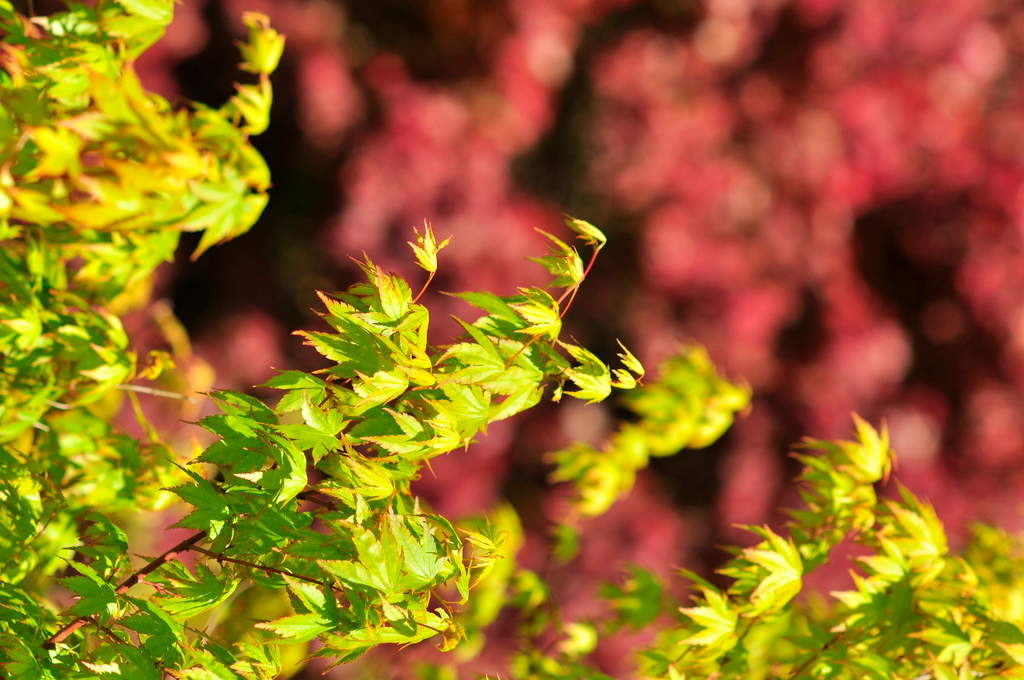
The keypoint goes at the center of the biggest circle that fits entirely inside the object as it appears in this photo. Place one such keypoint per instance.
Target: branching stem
(814, 657)
(154, 564)
(571, 292)
(188, 544)
(220, 557)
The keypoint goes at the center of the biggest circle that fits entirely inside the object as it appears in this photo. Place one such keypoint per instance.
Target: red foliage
(829, 195)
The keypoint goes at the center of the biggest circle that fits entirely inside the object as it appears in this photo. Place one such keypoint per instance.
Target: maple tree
(300, 511)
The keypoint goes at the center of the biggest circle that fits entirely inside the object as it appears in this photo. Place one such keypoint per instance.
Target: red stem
(426, 283)
(565, 294)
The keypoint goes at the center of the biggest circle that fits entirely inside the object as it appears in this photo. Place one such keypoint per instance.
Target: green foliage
(690, 406)
(301, 524)
(914, 610)
(98, 178)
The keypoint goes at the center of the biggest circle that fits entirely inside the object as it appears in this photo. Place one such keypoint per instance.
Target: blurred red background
(829, 195)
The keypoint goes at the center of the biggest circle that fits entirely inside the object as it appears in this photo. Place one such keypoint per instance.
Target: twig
(220, 557)
(573, 290)
(142, 389)
(814, 657)
(426, 284)
(567, 293)
(154, 564)
(186, 545)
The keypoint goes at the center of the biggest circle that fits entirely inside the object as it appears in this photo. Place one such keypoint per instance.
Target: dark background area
(828, 195)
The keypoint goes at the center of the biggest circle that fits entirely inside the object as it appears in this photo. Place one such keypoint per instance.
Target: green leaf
(590, 234)
(638, 601)
(95, 594)
(211, 509)
(252, 102)
(298, 628)
(159, 11)
(187, 595)
(540, 311)
(60, 148)
(301, 386)
(563, 263)
(377, 565)
(152, 620)
(292, 464)
(262, 52)
(872, 456)
(783, 565)
(525, 397)
(424, 561)
(493, 304)
(327, 421)
(716, 620)
(380, 388)
(409, 425)
(630, 361)
(591, 375)
(426, 248)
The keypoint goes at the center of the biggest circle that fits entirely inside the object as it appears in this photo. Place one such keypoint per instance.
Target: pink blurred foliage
(245, 349)
(758, 197)
(829, 195)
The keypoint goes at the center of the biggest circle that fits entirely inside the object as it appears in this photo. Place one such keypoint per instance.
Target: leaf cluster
(914, 610)
(300, 522)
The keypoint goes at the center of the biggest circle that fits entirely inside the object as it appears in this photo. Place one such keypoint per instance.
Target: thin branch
(186, 545)
(814, 657)
(565, 310)
(220, 557)
(142, 389)
(154, 564)
(572, 291)
(567, 293)
(310, 497)
(426, 284)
